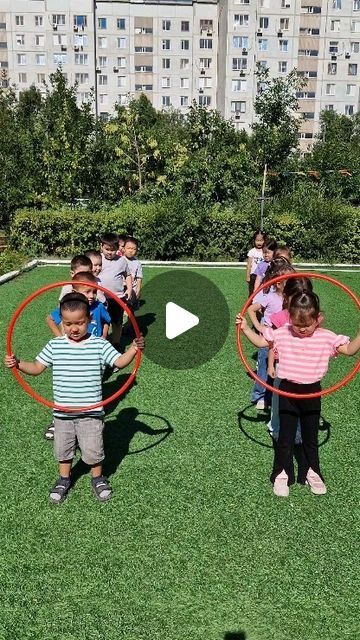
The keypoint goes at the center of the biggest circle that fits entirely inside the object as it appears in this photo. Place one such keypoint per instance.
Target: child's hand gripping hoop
(287, 394)
(40, 398)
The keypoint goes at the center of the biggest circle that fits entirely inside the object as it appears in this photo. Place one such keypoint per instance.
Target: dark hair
(305, 304)
(277, 267)
(111, 239)
(258, 232)
(80, 261)
(122, 237)
(283, 249)
(294, 286)
(85, 276)
(74, 302)
(93, 253)
(270, 244)
(133, 240)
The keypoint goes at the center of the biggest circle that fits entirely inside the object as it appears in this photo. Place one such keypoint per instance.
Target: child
(78, 360)
(268, 302)
(283, 252)
(269, 249)
(121, 239)
(115, 270)
(99, 316)
(130, 252)
(303, 350)
(254, 257)
(78, 263)
(96, 265)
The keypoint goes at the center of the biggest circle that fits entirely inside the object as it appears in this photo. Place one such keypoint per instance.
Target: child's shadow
(143, 321)
(118, 434)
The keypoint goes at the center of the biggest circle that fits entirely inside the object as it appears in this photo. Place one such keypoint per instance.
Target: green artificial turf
(193, 545)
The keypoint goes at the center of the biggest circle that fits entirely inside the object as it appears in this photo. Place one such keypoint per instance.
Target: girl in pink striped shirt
(304, 350)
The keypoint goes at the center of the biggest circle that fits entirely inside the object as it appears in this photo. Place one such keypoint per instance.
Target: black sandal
(101, 488)
(59, 491)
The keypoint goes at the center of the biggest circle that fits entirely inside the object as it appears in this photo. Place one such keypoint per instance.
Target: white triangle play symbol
(178, 320)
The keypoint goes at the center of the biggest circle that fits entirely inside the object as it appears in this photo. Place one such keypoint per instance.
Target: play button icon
(183, 316)
(178, 320)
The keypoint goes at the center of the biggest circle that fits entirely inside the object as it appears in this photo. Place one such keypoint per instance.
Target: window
(184, 101)
(304, 135)
(184, 63)
(330, 89)
(143, 87)
(19, 21)
(121, 43)
(263, 45)
(143, 49)
(204, 101)
(313, 9)
(121, 81)
(238, 106)
(264, 4)
(103, 61)
(238, 85)
(79, 40)
(121, 23)
(143, 30)
(184, 83)
(332, 68)
(40, 78)
(335, 25)
(355, 26)
(20, 39)
(40, 58)
(336, 4)
(165, 45)
(333, 47)
(308, 52)
(242, 1)
(145, 68)
(59, 58)
(22, 78)
(121, 63)
(185, 25)
(166, 101)
(305, 94)
(329, 107)
(104, 116)
(166, 63)
(309, 31)
(350, 89)
(205, 43)
(39, 21)
(103, 98)
(82, 78)
(123, 99)
(102, 22)
(355, 47)
(166, 25)
(356, 7)
(80, 21)
(40, 41)
(83, 96)
(264, 23)
(81, 58)
(103, 80)
(239, 64)
(206, 25)
(165, 83)
(282, 66)
(102, 42)
(284, 24)
(185, 45)
(205, 63)
(240, 42)
(58, 19)
(241, 20)
(205, 83)
(308, 115)
(284, 45)
(349, 109)
(3, 45)
(352, 69)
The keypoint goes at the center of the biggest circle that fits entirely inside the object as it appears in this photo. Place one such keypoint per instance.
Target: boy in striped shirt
(78, 361)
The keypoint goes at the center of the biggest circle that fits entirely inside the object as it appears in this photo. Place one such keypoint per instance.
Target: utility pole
(95, 59)
(262, 199)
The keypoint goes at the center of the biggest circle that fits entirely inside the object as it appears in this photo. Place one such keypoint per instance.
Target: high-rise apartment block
(177, 51)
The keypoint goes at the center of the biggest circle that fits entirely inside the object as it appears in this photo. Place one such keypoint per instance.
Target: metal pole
(262, 199)
(95, 60)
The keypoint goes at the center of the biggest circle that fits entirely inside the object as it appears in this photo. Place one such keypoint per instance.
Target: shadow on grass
(118, 434)
(245, 422)
(235, 635)
(128, 333)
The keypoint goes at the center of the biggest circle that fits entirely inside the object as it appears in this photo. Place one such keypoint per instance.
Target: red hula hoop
(40, 398)
(287, 394)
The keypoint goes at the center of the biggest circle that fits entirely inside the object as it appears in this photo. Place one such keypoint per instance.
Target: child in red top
(304, 350)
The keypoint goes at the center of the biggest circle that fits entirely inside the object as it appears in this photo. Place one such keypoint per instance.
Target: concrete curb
(13, 274)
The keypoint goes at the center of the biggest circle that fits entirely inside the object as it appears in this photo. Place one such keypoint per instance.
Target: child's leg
(116, 313)
(274, 424)
(64, 451)
(310, 417)
(89, 432)
(284, 447)
(258, 392)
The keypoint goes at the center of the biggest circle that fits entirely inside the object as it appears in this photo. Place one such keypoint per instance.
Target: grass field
(193, 545)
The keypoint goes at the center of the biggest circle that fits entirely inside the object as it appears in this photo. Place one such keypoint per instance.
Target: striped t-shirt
(77, 371)
(303, 360)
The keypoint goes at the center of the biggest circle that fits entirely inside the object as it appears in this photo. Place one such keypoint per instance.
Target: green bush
(169, 229)
(11, 260)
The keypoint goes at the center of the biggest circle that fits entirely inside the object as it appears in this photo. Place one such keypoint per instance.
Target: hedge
(316, 229)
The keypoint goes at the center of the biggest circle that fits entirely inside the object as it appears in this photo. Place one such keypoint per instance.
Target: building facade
(177, 51)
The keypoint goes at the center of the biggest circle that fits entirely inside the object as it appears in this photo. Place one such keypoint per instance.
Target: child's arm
(256, 306)
(31, 368)
(130, 354)
(256, 339)
(350, 348)
(257, 282)
(129, 284)
(248, 269)
(55, 328)
(138, 287)
(271, 364)
(105, 330)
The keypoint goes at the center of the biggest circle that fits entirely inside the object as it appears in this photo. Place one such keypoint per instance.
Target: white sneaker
(280, 487)
(315, 483)
(260, 404)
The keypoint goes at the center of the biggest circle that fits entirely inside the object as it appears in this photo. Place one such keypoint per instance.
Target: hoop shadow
(118, 434)
(144, 321)
(111, 386)
(235, 635)
(325, 426)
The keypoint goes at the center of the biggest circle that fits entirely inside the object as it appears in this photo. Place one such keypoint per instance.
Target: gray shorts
(89, 433)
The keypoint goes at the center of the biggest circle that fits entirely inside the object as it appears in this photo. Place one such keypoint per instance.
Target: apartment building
(177, 51)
